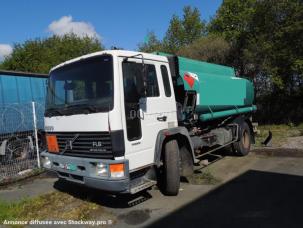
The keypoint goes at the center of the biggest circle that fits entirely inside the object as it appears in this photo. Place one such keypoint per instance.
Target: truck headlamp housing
(46, 162)
(101, 170)
(110, 170)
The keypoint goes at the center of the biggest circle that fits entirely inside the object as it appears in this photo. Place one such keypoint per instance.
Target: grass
(204, 177)
(280, 133)
(52, 206)
(7, 211)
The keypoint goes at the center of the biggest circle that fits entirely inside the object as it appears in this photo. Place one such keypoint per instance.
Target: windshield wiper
(72, 109)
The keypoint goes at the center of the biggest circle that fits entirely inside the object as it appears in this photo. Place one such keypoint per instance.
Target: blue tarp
(16, 89)
(16, 94)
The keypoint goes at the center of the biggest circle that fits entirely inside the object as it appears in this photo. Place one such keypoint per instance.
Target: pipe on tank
(216, 115)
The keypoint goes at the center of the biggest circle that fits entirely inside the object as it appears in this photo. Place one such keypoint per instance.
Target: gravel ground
(294, 143)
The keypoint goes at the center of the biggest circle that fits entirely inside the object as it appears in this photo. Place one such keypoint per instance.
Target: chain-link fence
(21, 137)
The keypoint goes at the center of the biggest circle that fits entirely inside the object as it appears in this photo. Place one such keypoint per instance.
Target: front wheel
(170, 171)
(242, 147)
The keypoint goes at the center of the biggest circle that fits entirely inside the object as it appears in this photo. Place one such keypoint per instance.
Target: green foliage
(280, 41)
(266, 38)
(181, 32)
(211, 48)
(184, 31)
(233, 19)
(151, 44)
(40, 55)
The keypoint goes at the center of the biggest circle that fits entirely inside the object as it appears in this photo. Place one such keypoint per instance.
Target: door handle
(141, 114)
(162, 118)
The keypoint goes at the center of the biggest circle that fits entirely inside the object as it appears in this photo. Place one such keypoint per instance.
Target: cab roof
(117, 53)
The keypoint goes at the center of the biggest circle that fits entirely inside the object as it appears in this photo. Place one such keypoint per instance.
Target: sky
(116, 23)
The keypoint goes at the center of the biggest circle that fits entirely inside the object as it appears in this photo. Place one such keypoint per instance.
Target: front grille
(85, 144)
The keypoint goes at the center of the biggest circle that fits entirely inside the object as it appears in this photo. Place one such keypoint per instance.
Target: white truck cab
(100, 127)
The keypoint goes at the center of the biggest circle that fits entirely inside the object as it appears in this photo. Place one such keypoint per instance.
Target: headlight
(46, 162)
(101, 170)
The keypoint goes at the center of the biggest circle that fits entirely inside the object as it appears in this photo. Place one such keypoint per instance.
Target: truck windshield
(85, 86)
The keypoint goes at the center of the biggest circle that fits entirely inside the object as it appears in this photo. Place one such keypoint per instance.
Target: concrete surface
(263, 189)
(30, 187)
(294, 143)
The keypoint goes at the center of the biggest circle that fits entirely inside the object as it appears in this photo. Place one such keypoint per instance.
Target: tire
(242, 147)
(170, 175)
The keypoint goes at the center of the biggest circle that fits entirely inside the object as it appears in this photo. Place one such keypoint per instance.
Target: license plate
(71, 167)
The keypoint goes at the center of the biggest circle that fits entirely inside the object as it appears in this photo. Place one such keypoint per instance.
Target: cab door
(144, 116)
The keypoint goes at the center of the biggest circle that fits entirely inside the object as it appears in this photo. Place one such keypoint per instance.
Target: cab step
(146, 183)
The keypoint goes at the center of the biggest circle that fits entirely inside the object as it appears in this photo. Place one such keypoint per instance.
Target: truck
(123, 121)
(17, 92)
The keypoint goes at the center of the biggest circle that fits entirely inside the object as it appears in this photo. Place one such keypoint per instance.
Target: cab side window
(165, 78)
(152, 89)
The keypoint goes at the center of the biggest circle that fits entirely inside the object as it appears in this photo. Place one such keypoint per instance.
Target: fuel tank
(219, 91)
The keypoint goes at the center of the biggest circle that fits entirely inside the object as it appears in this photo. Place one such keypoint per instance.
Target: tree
(181, 32)
(278, 32)
(184, 31)
(232, 21)
(212, 48)
(173, 39)
(151, 44)
(40, 55)
(266, 38)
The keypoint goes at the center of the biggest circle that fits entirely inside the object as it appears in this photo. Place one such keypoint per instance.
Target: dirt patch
(279, 152)
(203, 177)
(135, 217)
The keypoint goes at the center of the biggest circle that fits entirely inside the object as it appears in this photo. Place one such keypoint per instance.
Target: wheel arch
(178, 133)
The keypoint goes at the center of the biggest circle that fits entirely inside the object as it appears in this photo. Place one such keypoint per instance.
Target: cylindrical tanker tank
(219, 91)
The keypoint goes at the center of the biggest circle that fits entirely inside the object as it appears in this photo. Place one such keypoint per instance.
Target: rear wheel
(170, 172)
(242, 147)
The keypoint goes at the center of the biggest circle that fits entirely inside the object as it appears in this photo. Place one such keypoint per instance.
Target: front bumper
(84, 172)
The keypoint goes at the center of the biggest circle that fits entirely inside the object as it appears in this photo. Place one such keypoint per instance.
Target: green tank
(219, 91)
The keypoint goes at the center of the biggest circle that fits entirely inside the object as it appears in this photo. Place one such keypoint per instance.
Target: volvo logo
(69, 143)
